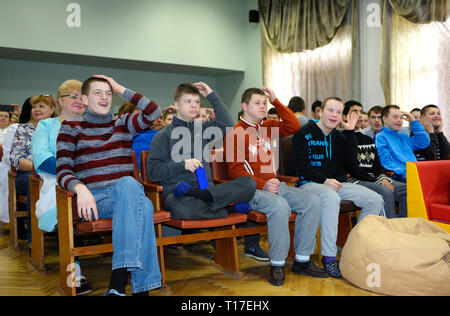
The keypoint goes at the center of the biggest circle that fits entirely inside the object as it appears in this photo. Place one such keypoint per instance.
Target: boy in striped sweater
(94, 160)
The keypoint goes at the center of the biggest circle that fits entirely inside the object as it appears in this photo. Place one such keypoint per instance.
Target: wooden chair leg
(160, 250)
(13, 237)
(37, 236)
(66, 245)
(291, 254)
(227, 255)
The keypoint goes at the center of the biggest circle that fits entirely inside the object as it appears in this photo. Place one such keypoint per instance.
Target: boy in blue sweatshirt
(395, 148)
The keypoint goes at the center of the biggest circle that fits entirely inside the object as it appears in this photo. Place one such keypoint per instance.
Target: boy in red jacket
(251, 149)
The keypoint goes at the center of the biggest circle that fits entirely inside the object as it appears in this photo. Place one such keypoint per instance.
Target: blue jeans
(278, 208)
(133, 235)
(369, 201)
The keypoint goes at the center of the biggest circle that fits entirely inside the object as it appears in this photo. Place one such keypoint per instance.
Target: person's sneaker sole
(256, 257)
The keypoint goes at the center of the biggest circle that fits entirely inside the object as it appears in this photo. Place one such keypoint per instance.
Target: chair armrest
(152, 186)
(287, 179)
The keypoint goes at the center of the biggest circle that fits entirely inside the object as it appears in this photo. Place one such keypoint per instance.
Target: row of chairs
(224, 231)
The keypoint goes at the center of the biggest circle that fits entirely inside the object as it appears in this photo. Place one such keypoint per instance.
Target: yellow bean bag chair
(405, 256)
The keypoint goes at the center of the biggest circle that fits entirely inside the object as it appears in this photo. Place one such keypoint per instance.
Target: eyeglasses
(72, 97)
(48, 96)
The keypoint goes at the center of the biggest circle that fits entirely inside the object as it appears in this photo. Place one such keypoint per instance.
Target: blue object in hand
(242, 207)
(201, 178)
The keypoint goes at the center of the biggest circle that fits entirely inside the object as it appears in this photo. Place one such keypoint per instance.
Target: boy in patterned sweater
(94, 161)
(370, 173)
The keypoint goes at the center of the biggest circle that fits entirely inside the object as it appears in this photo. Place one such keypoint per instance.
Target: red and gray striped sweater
(96, 149)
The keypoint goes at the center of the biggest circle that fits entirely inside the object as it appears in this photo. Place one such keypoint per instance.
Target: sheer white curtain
(420, 66)
(314, 74)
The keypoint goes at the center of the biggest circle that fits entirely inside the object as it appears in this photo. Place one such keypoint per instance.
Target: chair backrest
(285, 167)
(136, 172)
(434, 178)
(219, 168)
(144, 171)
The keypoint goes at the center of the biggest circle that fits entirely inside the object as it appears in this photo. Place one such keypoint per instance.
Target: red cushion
(440, 212)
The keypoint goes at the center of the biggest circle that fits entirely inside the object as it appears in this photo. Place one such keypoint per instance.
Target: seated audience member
(320, 154)
(297, 105)
(14, 119)
(316, 109)
(439, 148)
(204, 114)
(363, 121)
(272, 114)
(182, 147)
(396, 148)
(43, 149)
(369, 172)
(42, 107)
(142, 141)
(5, 166)
(375, 122)
(127, 107)
(253, 156)
(4, 123)
(416, 114)
(94, 161)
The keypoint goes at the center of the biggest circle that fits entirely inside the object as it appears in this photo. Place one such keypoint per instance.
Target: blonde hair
(66, 88)
(44, 98)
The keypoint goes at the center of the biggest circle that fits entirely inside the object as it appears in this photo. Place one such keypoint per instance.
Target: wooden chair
(225, 231)
(69, 224)
(14, 214)
(36, 259)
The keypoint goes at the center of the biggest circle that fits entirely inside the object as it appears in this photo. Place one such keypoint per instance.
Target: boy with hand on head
(252, 149)
(396, 148)
(181, 150)
(369, 172)
(320, 156)
(94, 160)
(439, 148)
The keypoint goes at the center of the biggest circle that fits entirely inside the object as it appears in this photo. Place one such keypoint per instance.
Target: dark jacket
(317, 157)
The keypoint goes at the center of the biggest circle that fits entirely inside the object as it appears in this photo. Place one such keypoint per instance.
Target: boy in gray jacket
(184, 147)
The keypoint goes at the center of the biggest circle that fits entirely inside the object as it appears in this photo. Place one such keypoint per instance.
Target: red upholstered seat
(440, 212)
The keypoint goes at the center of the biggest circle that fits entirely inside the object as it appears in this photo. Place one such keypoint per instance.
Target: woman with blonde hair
(69, 107)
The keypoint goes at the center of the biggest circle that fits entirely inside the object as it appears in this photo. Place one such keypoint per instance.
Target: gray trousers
(278, 208)
(390, 197)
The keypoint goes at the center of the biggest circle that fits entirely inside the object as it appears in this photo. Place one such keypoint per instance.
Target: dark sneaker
(332, 268)
(256, 253)
(83, 287)
(113, 292)
(277, 275)
(310, 269)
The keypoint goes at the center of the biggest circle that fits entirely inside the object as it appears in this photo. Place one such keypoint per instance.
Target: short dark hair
(296, 104)
(414, 110)
(86, 86)
(349, 104)
(324, 103)
(387, 109)
(316, 104)
(247, 95)
(375, 109)
(185, 88)
(272, 111)
(427, 107)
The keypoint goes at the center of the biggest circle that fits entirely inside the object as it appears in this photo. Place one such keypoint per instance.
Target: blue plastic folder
(201, 178)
